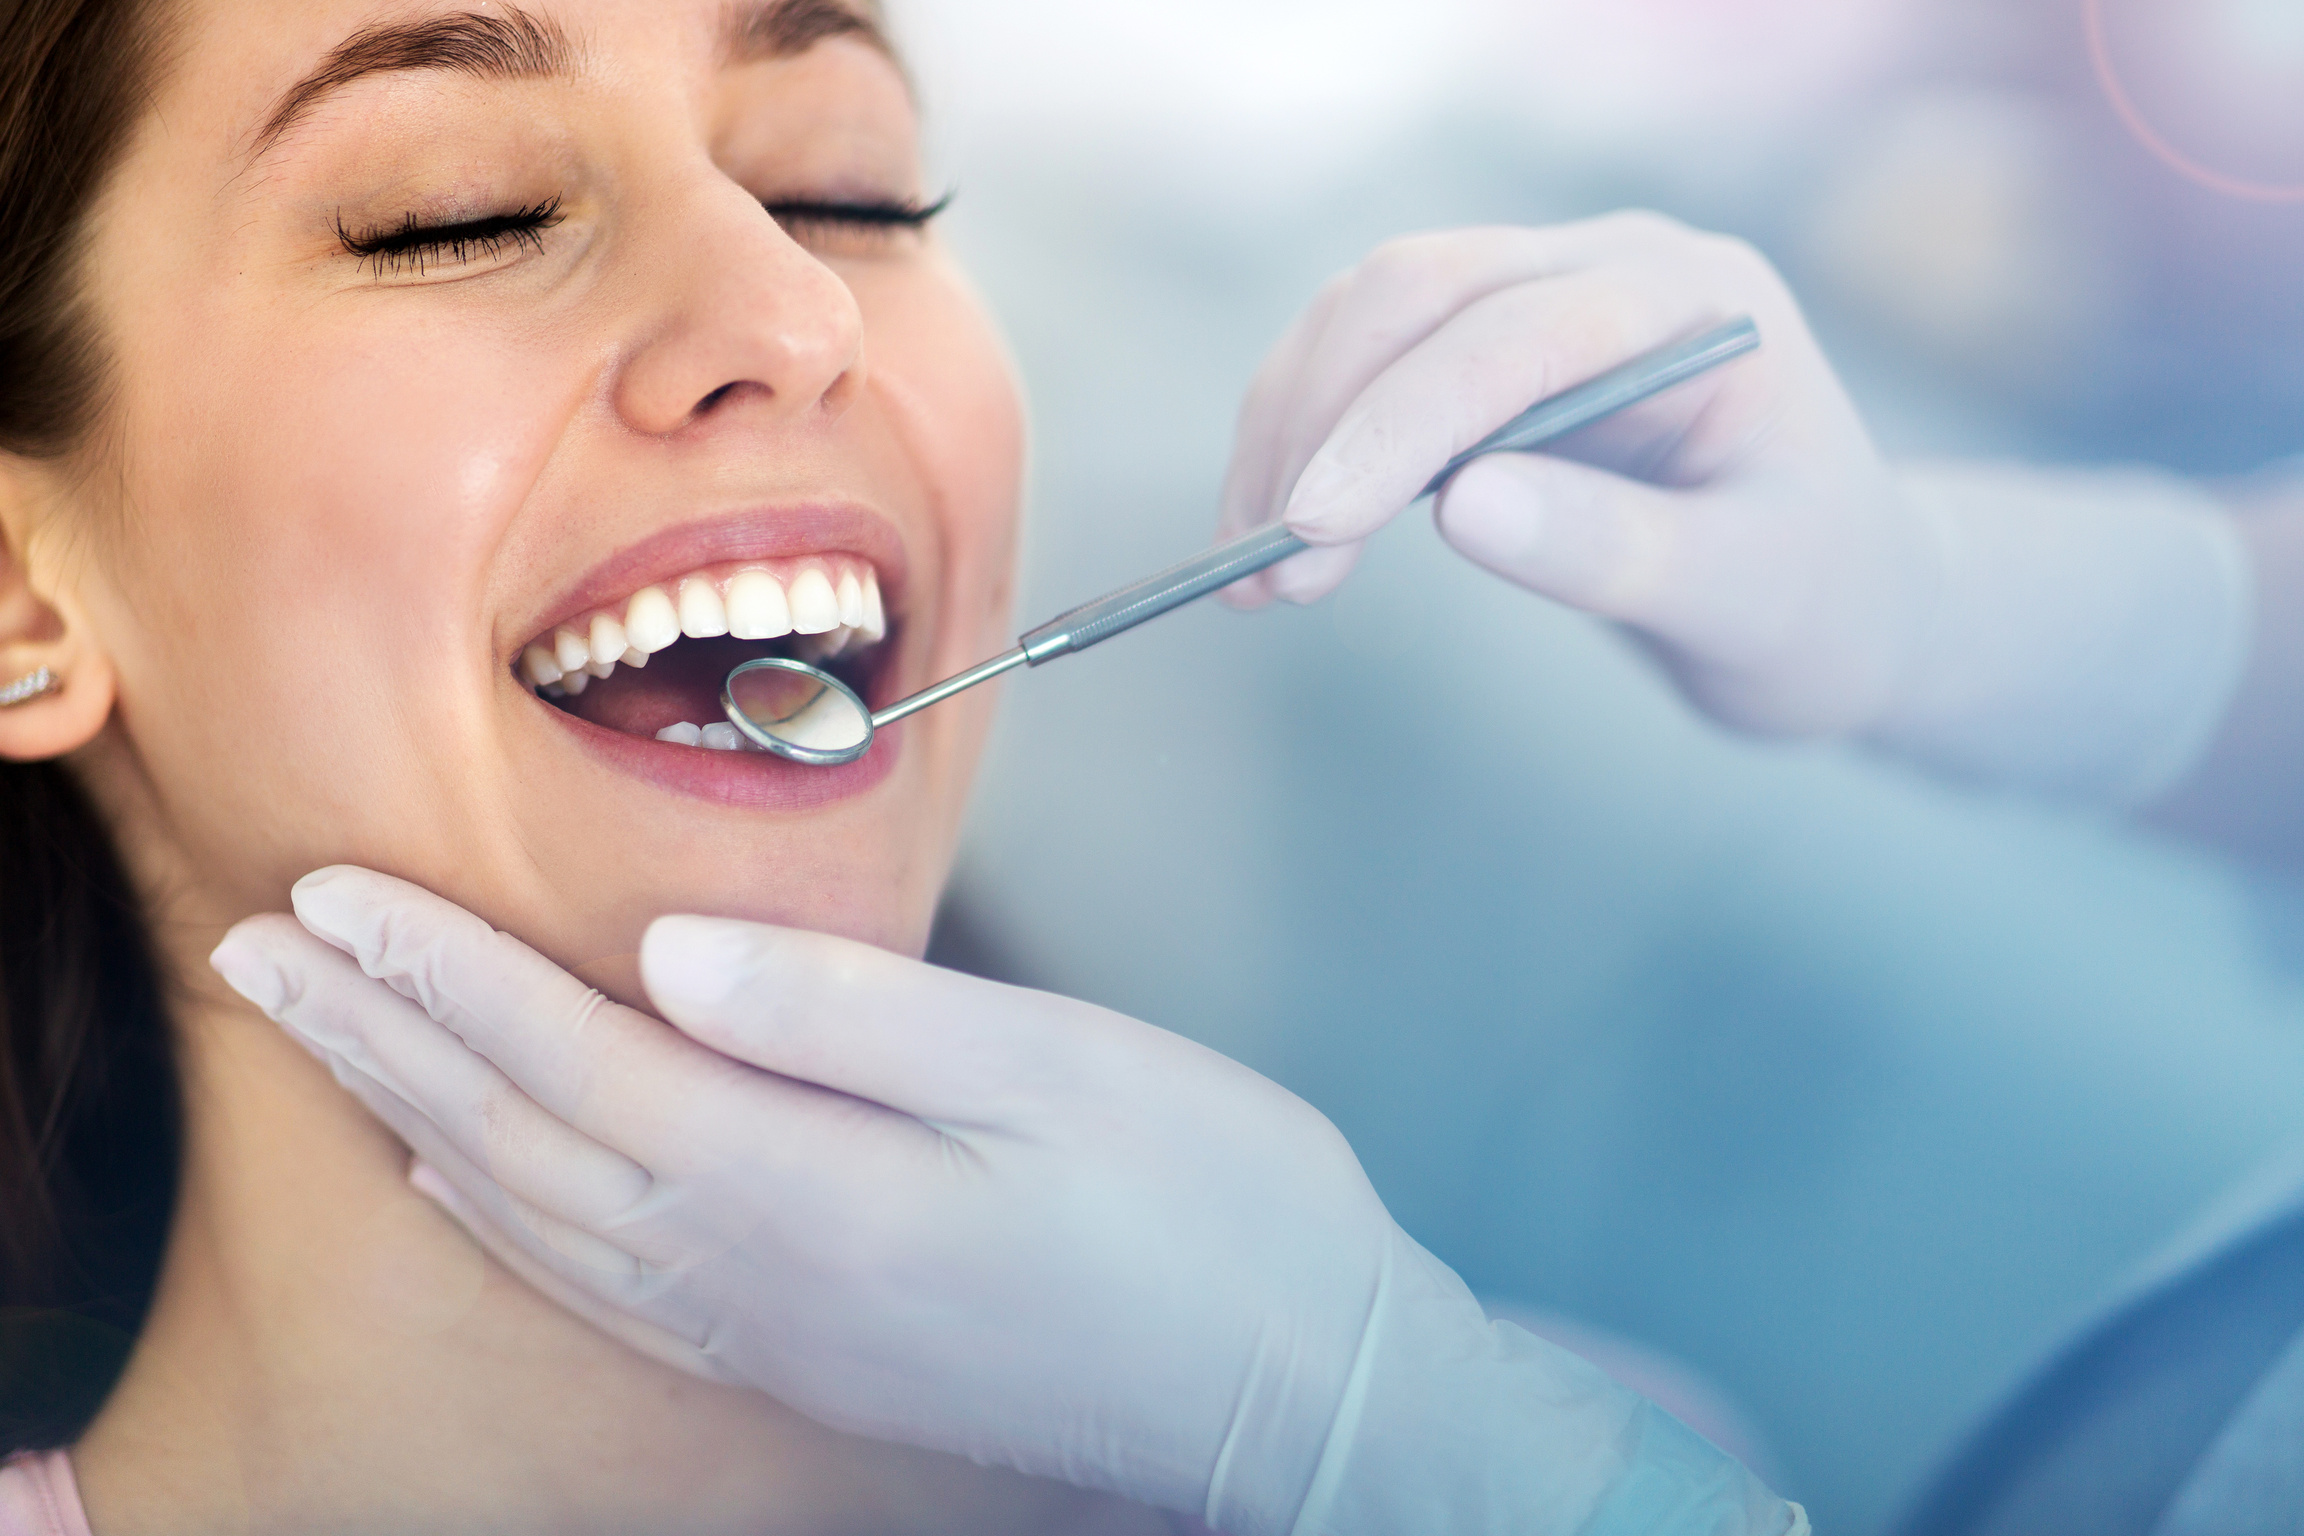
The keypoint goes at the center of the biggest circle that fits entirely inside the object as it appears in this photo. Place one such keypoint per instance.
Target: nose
(741, 319)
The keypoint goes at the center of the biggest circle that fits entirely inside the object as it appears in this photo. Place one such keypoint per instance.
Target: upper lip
(759, 533)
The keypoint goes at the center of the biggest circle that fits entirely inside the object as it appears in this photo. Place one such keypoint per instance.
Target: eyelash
(421, 246)
(410, 244)
(864, 218)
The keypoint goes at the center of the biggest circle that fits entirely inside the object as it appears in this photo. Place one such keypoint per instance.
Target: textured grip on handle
(1155, 595)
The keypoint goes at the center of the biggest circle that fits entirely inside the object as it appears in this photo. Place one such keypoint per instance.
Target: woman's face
(457, 348)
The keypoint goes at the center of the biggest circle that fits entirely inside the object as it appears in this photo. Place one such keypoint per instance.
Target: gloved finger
(1249, 498)
(1360, 323)
(1476, 372)
(1250, 494)
(1609, 545)
(609, 1262)
(1321, 569)
(674, 1108)
(1312, 575)
(1370, 317)
(1708, 574)
(1393, 303)
(319, 993)
(515, 1249)
(508, 1249)
(610, 1072)
(934, 1044)
(1249, 593)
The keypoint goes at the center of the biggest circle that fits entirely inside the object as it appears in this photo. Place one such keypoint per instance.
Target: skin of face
(285, 586)
(336, 501)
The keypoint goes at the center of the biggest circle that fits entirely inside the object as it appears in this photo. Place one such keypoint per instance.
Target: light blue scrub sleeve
(1452, 1425)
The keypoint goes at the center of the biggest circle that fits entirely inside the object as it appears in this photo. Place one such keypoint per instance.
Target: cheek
(945, 379)
(300, 597)
(958, 407)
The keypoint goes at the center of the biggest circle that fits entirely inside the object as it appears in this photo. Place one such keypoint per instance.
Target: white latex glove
(2078, 638)
(932, 1209)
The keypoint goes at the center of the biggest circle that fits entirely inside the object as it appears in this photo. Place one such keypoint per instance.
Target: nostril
(705, 405)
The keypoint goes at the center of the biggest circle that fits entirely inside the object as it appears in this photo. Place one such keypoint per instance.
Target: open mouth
(653, 665)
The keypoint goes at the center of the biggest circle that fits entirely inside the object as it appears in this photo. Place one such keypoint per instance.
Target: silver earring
(29, 687)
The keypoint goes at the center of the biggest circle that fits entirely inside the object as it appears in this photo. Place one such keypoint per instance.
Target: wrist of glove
(2087, 634)
(1449, 1422)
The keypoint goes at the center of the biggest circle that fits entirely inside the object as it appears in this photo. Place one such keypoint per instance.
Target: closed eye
(864, 224)
(410, 246)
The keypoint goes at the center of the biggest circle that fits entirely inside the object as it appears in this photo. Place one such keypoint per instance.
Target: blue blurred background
(1851, 1090)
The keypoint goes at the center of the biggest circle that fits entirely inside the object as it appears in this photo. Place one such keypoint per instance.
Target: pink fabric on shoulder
(38, 1496)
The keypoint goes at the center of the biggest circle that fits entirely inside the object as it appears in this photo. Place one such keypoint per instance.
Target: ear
(43, 625)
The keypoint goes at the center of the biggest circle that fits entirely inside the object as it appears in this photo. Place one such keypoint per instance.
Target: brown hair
(88, 1093)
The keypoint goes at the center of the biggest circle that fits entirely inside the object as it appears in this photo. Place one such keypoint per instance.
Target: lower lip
(746, 781)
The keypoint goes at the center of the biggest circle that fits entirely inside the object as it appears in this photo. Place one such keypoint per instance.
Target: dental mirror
(804, 713)
(797, 711)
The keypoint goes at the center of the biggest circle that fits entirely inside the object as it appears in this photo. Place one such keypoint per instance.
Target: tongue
(681, 683)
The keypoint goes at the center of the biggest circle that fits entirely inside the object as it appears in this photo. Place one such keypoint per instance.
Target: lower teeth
(719, 736)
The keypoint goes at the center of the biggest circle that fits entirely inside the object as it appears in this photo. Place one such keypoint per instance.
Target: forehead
(295, 54)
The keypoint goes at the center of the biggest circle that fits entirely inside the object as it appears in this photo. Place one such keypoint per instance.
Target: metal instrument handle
(1155, 595)
(1252, 551)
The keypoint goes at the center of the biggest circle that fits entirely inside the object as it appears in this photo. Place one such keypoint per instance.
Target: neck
(329, 1351)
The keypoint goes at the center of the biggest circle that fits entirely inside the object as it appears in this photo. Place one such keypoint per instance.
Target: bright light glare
(1224, 83)
(2216, 92)
(1322, 79)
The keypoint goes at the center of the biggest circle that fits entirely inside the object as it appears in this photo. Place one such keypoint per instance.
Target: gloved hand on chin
(932, 1209)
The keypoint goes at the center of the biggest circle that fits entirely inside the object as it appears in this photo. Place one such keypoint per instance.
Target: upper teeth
(831, 602)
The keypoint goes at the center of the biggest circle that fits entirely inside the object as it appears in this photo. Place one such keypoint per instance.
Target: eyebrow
(778, 29)
(519, 45)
